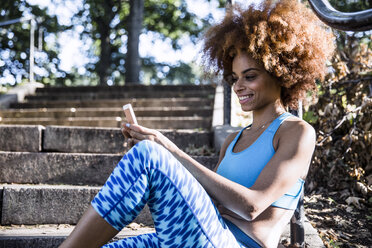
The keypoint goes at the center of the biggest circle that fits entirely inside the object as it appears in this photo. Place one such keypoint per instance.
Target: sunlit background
(76, 52)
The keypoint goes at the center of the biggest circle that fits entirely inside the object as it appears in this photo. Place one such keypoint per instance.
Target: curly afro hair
(284, 36)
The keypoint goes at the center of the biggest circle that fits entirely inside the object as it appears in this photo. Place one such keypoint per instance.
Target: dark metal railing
(297, 223)
(353, 21)
(33, 22)
(227, 89)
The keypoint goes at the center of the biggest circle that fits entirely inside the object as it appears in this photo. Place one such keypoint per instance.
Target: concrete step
(64, 168)
(46, 204)
(51, 236)
(153, 122)
(126, 88)
(105, 112)
(28, 138)
(55, 96)
(111, 140)
(21, 138)
(136, 102)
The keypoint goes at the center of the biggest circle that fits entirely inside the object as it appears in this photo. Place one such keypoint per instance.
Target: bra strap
(278, 121)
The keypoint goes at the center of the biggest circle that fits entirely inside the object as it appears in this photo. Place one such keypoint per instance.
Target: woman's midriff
(267, 228)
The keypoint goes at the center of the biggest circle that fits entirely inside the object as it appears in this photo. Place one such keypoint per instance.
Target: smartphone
(129, 114)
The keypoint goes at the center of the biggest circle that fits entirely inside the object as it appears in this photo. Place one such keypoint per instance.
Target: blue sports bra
(244, 167)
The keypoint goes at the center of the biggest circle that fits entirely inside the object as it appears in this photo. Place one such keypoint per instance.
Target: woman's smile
(245, 98)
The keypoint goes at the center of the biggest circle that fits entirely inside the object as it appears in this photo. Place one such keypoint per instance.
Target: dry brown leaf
(352, 200)
(369, 180)
(349, 209)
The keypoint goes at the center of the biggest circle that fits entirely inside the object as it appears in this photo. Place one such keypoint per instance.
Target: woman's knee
(143, 144)
(148, 144)
(154, 156)
(145, 153)
(148, 147)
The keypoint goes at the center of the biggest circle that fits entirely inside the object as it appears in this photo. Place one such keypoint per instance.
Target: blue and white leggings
(183, 213)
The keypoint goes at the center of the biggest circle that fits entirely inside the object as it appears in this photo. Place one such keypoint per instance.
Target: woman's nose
(238, 86)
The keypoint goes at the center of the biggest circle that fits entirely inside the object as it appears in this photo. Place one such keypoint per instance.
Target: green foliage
(169, 20)
(350, 5)
(165, 74)
(105, 22)
(15, 43)
(310, 117)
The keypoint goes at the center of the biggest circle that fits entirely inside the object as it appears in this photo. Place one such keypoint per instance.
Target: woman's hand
(135, 133)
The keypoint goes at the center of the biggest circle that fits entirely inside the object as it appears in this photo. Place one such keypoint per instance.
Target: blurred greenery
(310, 117)
(104, 22)
(168, 20)
(15, 43)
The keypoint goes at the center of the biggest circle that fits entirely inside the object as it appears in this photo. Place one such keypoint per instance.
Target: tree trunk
(105, 56)
(132, 63)
(103, 28)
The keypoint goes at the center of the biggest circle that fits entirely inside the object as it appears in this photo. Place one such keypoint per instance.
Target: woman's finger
(141, 136)
(125, 130)
(125, 133)
(140, 129)
(140, 132)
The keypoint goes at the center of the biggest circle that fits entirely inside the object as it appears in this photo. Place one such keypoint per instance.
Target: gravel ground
(341, 221)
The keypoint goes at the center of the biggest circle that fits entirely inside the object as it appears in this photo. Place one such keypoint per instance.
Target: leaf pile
(342, 165)
(338, 223)
(342, 158)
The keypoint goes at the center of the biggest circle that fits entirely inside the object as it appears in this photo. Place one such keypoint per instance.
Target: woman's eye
(249, 78)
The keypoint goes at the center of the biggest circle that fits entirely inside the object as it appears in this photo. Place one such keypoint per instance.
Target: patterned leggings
(183, 213)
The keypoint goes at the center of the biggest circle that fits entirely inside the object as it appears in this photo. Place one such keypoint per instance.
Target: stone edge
(18, 93)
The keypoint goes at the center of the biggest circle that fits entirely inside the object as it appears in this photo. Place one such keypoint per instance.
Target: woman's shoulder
(296, 128)
(294, 122)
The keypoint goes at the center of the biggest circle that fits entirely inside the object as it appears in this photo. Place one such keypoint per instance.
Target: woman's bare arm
(290, 162)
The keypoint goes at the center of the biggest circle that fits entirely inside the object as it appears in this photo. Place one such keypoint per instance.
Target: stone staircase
(58, 147)
(161, 107)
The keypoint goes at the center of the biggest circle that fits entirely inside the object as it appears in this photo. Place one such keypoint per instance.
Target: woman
(271, 56)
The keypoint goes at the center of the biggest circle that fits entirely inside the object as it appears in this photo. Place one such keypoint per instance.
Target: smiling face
(253, 85)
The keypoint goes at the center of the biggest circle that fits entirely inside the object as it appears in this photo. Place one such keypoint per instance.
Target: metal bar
(22, 19)
(32, 49)
(297, 229)
(354, 21)
(40, 39)
(226, 104)
(227, 90)
(32, 40)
